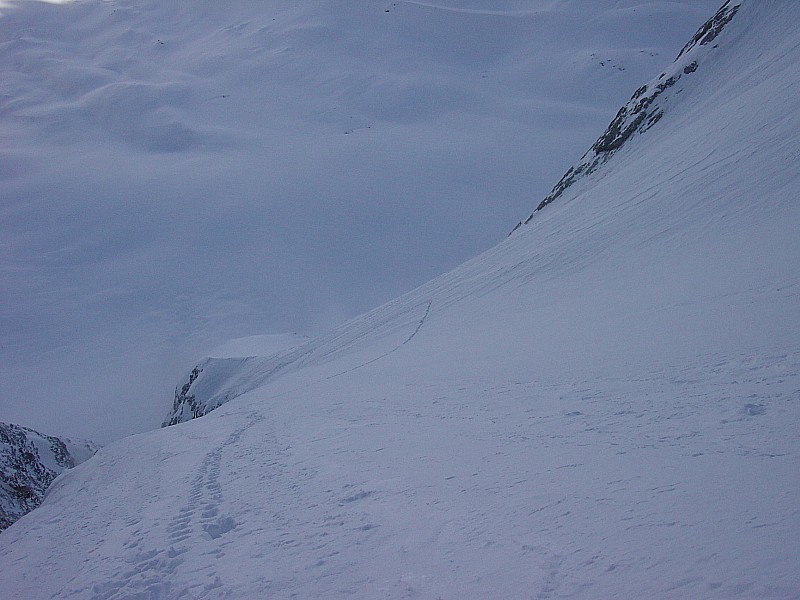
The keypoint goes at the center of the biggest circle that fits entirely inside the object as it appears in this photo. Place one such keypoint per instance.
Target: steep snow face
(605, 405)
(647, 105)
(29, 462)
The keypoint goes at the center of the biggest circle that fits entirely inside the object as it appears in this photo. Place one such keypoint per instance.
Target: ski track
(393, 350)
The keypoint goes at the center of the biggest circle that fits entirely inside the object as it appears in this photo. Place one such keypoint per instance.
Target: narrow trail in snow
(393, 350)
(151, 571)
(206, 494)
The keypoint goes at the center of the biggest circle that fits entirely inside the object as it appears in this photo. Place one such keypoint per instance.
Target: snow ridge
(646, 106)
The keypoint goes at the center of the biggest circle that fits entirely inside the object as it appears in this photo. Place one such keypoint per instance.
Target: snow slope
(605, 405)
(175, 174)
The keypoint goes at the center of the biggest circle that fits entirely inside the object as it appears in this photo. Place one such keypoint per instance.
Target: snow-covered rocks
(213, 381)
(647, 105)
(29, 462)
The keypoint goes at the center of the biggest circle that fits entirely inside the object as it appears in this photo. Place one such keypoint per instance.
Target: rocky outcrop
(244, 366)
(185, 403)
(645, 108)
(29, 462)
(231, 371)
(209, 385)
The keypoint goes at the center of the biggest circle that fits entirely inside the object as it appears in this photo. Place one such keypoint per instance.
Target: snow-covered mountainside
(214, 382)
(647, 105)
(29, 462)
(175, 174)
(604, 405)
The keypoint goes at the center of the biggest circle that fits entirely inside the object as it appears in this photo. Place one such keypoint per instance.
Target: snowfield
(604, 405)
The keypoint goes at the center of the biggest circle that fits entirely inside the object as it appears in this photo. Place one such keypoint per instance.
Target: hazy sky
(173, 175)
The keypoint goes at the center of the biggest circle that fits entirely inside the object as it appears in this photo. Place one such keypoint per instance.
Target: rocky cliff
(29, 462)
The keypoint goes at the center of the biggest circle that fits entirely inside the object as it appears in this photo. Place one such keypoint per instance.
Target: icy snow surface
(605, 405)
(177, 173)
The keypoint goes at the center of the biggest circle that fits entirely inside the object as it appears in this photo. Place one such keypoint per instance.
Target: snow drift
(604, 405)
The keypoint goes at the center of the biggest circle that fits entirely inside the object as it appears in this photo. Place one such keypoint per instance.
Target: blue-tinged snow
(605, 405)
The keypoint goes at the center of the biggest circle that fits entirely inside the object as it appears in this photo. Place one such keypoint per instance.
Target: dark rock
(711, 28)
(184, 398)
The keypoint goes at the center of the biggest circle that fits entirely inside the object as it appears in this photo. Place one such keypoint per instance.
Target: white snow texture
(604, 405)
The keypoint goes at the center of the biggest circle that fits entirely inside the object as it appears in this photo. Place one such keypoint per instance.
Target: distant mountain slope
(647, 105)
(29, 462)
(604, 405)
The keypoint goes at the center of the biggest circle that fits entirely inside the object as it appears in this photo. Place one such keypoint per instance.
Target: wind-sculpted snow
(605, 405)
(29, 462)
(647, 105)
